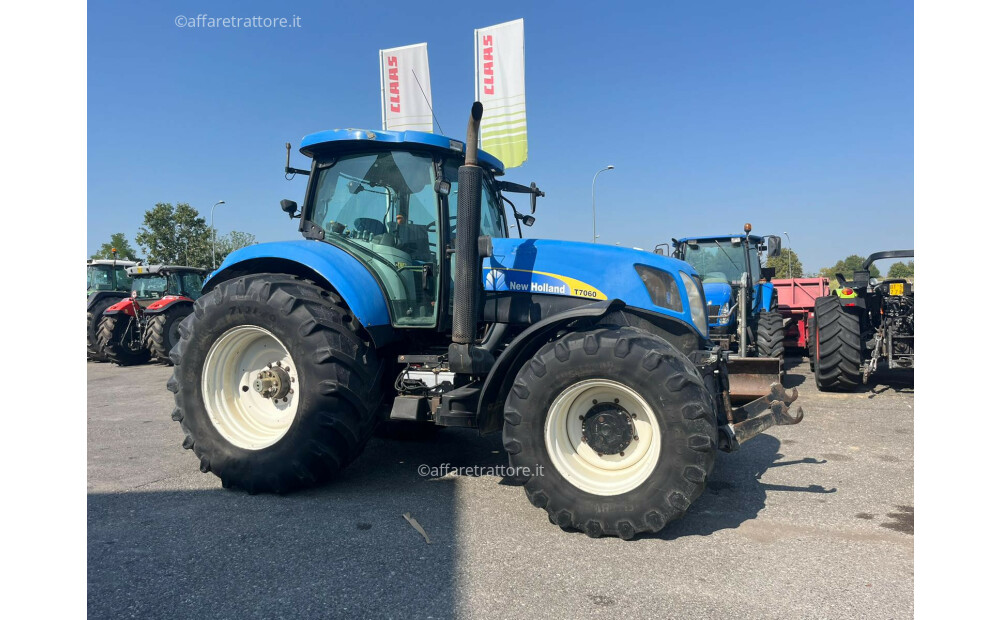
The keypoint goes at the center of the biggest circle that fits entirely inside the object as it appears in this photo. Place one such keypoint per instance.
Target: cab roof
(108, 261)
(753, 238)
(152, 270)
(334, 140)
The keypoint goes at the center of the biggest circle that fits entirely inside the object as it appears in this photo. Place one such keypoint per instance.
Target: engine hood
(575, 269)
(718, 293)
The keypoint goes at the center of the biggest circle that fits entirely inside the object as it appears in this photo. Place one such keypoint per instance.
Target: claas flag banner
(500, 88)
(406, 88)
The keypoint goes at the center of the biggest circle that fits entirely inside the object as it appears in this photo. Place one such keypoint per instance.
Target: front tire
(276, 332)
(118, 339)
(593, 474)
(770, 335)
(163, 331)
(838, 347)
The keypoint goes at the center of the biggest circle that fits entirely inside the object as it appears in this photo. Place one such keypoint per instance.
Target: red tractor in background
(147, 323)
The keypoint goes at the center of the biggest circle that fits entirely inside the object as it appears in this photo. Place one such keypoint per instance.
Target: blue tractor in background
(742, 303)
(406, 302)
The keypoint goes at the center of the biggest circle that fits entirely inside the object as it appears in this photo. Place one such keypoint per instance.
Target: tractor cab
(728, 264)
(108, 275)
(151, 283)
(390, 200)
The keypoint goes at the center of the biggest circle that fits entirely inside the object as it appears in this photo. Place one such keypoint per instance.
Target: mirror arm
(288, 160)
(517, 216)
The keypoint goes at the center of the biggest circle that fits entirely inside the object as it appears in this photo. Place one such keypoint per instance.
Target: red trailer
(796, 301)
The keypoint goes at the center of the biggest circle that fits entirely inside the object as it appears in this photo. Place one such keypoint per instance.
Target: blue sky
(795, 116)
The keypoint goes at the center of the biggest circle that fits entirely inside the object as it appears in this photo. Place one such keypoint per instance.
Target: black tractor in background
(861, 323)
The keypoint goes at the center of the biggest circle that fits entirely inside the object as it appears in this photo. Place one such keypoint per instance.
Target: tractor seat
(369, 226)
(412, 238)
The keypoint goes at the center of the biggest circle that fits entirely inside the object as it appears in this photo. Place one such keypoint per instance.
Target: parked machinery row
(144, 323)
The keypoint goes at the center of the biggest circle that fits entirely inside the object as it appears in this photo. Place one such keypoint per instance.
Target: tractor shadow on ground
(343, 549)
(794, 367)
(735, 494)
(899, 380)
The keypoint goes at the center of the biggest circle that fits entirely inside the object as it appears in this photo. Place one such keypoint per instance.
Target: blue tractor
(407, 302)
(742, 304)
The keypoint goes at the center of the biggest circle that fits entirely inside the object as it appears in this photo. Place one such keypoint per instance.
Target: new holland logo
(525, 281)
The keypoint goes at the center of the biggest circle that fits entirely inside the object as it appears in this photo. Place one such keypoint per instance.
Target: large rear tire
(275, 382)
(837, 347)
(640, 384)
(118, 341)
(94, 316)
(163, 331)
(811, 342)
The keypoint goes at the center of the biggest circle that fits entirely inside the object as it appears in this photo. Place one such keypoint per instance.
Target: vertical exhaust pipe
(467, 260)
(463, 356)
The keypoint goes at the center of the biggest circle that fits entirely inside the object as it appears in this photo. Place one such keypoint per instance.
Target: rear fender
(124, 306)
(97, 296)
(322, 263)
(165, 303)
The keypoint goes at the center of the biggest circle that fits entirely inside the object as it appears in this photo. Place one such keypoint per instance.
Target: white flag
(406, 88)
(500, 88)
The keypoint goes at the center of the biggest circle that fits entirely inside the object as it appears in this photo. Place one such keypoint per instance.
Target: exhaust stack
(463, 355)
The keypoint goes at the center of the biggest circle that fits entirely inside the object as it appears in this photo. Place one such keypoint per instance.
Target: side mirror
(535, 193)
(773, 245)
(289, 207)
(658, 251)
(767, 273)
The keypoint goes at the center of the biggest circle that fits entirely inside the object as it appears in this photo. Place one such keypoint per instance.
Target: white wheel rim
(242, 415)
(577, 462)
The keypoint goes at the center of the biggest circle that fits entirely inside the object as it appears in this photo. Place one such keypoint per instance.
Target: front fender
(517, 353)
(327, 264)
(765, 298)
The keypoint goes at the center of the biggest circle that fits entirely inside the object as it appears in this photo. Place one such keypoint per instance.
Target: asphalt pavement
(807, 521)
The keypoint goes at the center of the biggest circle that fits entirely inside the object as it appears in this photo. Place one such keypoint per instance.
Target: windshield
(101, 278)
(716, 260)
(149, 287)
(382, 208)
(187, 283)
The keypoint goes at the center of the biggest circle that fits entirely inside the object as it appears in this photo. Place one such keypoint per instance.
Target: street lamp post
(593, 197)
(789, 255)
(221, 202)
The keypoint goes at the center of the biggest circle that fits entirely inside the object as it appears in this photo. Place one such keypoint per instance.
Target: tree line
(788, 265)
(175, 235)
